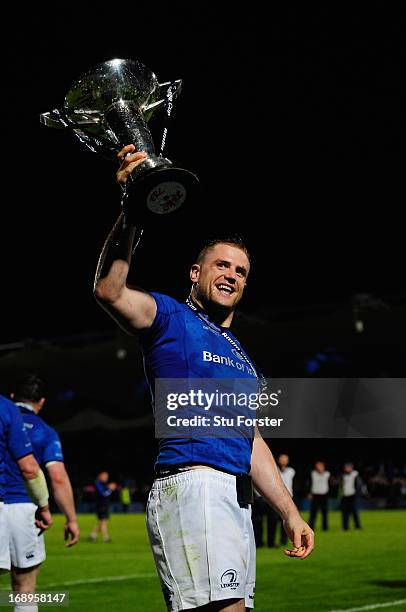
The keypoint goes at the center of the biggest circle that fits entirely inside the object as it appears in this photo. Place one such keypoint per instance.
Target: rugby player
(15, 442)
(27, 546)
(198, 513)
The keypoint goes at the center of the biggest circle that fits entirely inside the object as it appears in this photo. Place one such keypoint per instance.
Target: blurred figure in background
(351, 486)
(261, 509)
(103, 491)
(287, 474)
(319, 489)
(125, 497)
(15, 442)
(27, 545)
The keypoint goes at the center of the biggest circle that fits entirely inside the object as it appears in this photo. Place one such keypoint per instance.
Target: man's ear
(41, 402)
(12, 395)
(194, 273)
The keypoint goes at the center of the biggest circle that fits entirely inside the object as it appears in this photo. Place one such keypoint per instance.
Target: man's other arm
(37, 489)
(268, 482)
(132, 308)
(63, 495)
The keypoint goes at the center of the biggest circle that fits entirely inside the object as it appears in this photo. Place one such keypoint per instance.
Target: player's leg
(27, 550)
(324, 511)
(92, 537)
(272, 523)
(313, 511)
(284, 537)
(24, 580)
(344, 514)
(104, 528)
(355, 514)
(258, 523)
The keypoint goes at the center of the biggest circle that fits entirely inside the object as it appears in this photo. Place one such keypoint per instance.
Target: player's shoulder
(48, 430)
(167, 305)
(41, 426)
(8, 409)
(6, 404)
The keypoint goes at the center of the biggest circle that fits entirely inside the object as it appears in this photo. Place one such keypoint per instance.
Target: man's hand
(129, 161)
(302, 537)
(43, 518)
(71, 533)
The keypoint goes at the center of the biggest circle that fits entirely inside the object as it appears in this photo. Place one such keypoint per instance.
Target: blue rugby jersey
(14, 442)
(180, 344)
(46, 447)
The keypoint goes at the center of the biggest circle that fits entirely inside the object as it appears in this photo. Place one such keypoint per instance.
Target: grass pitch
(347, 569)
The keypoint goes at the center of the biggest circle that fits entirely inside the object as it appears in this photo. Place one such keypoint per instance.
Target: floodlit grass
(347, 569)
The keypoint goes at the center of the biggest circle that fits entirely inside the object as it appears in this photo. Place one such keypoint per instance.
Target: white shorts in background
(4, 540)
(26, 547)
(202, 541)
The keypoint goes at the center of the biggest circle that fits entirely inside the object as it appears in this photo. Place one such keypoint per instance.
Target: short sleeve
(52, 448)
(18, 441)
(165, 308)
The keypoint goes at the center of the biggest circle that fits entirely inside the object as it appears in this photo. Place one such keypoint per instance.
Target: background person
(103, 491)
(14, 440)
(319, 490)
(351, 485)
(27, 546)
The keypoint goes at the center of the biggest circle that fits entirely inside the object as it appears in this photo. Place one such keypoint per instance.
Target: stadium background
(293, 120)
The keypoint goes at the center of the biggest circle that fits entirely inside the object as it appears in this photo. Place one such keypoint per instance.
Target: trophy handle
(59, 119)
(53, 119)
(162, 92)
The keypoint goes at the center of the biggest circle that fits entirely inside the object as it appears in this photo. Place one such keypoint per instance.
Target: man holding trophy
(199, 508)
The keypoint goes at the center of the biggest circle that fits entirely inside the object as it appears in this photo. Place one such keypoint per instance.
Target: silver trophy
(109, 107)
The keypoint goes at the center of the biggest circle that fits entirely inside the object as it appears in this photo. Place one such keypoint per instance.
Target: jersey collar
(25, 405)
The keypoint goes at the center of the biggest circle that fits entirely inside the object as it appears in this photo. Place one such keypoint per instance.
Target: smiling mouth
(225, 289)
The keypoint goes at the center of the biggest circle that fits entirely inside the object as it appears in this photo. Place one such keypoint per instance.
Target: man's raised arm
(133, 309)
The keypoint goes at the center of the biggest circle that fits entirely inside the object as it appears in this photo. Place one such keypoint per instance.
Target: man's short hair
(235, 241)
(29, 389)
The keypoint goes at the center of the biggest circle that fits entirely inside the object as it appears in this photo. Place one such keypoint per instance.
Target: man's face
(104, 476)
(221, 276)
(320, 467)
(283, 461)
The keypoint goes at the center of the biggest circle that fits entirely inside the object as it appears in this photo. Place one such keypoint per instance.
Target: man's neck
(218, 314)
(28, 406)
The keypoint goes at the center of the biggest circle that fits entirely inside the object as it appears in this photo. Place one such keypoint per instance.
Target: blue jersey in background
(46, 447)
(14, 442)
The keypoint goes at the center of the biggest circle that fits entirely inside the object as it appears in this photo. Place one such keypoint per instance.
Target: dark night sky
(293, 121)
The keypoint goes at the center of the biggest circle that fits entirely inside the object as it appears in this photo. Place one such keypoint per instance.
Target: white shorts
(26, 547)
(4, 540)
(202, 541)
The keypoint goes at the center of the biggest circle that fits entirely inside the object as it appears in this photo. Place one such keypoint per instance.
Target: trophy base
(160, 191)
